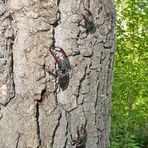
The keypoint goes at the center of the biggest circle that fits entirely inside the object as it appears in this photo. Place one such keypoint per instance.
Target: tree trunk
(34, 110)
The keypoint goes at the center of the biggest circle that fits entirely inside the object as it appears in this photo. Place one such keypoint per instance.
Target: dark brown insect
(88, 19)
(63, 80)
(62, 60)
(80, 141)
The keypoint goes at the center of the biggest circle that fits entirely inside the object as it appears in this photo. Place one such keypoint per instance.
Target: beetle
(89, 21)
(62, 74)
(80, 141)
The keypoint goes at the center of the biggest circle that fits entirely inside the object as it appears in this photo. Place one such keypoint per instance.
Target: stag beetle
(63, 66)
(80, 141)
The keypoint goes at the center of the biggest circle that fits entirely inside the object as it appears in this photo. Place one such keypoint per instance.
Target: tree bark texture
(34, 111)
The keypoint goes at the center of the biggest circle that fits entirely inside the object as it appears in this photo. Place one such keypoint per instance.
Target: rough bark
(33, 111)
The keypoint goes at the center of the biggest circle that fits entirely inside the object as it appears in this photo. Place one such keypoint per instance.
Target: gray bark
(34, 113)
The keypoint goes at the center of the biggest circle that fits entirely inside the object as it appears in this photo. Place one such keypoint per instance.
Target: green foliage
(130, 86)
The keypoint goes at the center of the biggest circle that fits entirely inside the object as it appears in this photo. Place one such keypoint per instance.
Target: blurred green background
(130, 86)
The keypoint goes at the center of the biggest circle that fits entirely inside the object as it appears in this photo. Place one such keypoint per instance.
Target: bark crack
(12, 66)
(53, 44)
(38, 123)
(18, 139)
(56, 127)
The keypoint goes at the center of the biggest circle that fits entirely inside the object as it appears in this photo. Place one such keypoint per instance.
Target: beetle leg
(73, 141)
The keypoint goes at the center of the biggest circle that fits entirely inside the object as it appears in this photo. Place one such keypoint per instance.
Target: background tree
(33, 111)
(130, 100)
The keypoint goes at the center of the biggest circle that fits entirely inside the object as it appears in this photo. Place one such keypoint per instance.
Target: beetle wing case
(64, 81)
